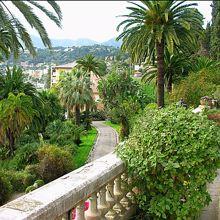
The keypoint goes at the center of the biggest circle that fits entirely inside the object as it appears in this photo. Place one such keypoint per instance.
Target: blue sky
(96, 20)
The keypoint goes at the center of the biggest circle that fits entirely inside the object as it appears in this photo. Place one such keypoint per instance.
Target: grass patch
(115, 126)
(85, 147)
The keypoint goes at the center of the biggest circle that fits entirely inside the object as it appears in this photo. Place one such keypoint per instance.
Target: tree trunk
(11, 141)
(87, 117)
(169, 83)
(77, 115)
(160, 74)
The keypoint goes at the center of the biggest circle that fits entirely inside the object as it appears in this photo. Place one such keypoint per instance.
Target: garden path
(106, 140)
(212, 212)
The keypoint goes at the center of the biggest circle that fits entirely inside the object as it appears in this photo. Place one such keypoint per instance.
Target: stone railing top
(62, 194)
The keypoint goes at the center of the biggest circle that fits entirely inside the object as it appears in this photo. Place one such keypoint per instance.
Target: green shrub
(63, 133)
(195, 86)
(24, 156)
(53, 162)
(172, 154)
(5, 188)
(98, 115)
(37, 184)
(18, 179)
(30, 188)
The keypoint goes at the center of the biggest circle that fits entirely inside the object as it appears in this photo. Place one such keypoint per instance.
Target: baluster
(118, 196)
(103, 206)
(80, 213)
(111, 214)
(92, 213)
(131, 194)
(125, 200)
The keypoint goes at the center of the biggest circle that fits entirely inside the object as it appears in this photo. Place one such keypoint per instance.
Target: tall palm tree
(18, 35)
(16, 113)
(74, 92)
(89, 64)
(154, 26)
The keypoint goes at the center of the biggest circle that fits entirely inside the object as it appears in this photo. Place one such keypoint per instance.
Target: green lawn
(85, 147)
(115, 126)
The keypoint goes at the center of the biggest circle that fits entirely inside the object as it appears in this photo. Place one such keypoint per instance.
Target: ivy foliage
(172, 154)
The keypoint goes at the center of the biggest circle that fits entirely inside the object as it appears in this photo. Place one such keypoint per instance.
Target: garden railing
(98, 190)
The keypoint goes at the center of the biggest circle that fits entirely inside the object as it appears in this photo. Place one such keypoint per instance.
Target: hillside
(62, 55)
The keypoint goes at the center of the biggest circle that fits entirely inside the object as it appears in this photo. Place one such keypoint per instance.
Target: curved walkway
(212, 212)
(106, 140)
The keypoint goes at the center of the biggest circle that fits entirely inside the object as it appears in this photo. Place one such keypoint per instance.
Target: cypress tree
(215, 30)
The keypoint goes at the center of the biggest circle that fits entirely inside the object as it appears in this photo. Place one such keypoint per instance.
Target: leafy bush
(24, 156)
(30, 188)
(63, 133)
(6, 188)
(197, 85)
(37, 184)
(98, 115)
(172, 154)
(120, 93)
(18, 179)
(53, 162)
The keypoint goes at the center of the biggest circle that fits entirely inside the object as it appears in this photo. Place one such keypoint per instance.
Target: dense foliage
(197, 85)
(215, 29)
(63, 133)
(172, 154)
(6, 189)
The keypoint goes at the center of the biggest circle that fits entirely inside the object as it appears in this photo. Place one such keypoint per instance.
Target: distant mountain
(78, 43)
(64, 42)
(112, 42)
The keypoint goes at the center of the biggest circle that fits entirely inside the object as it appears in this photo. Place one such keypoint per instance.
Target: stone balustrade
(102, 184)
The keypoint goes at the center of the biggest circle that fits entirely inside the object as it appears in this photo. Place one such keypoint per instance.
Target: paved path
(106, 140)
(211, 212)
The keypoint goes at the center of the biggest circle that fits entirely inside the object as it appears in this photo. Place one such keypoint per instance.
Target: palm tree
(16, 113)
(154, 26)
(89, 64)
(175, 65)
(75, 92)
(18, 35)
(13, 81)
(200, 63)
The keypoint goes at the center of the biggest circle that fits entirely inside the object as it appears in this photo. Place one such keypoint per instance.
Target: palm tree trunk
(169, 83)
(77, 115)
(11, 141)
(87, 117)
(160, 74)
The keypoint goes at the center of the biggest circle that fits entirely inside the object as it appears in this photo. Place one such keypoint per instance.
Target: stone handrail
(102, 182)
